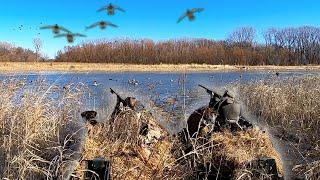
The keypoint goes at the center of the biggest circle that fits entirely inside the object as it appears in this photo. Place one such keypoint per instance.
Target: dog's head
(89, 115)
(131, 102)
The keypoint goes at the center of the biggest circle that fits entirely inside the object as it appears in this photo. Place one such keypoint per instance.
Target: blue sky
(154, 19)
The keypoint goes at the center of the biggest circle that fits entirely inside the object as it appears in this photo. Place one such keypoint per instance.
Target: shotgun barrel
(211, 92)
(120, 99)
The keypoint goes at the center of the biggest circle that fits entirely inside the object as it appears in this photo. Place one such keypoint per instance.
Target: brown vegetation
(39, 132)
(226, 155)
(291, 106)
(13, 67)
(290, 46)
(10, 53)
(45, 143)
(133, 156)
(159, 156)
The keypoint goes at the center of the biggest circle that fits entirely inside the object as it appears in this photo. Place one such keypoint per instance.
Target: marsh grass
(40, 130)
(290, 106)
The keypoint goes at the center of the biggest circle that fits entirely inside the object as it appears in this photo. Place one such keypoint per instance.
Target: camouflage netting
(155, 155)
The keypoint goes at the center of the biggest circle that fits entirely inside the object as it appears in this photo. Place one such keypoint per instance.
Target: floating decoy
(70, 36)
(102, 25)
(111, 9)
(56, 29)
(133, 82)
(110, 79)
(95, 83)
(190, 14)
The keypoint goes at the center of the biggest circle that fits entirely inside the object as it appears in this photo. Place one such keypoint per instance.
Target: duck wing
(182, 17)
(64, 29)
(197, 10)
(119, 8)
(61, 35)
(111, 24)
(93, 25)
(78, 34)
(47, 27)
(102, 8)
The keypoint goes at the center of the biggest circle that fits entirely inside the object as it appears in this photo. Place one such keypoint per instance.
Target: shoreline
(20, 67)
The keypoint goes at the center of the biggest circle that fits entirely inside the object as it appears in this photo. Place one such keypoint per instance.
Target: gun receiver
(212, 93)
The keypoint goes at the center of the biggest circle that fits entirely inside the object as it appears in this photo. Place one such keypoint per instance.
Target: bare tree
(37, 44)
(243, 36)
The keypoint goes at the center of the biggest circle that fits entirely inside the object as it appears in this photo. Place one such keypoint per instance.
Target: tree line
(11, 53)
(277, 46)
(287, 46)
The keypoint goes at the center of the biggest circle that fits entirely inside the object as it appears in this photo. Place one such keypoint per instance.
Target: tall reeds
(40, 129)
(290, 106)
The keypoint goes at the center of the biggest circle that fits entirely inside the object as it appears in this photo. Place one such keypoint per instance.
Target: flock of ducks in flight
(111, 9)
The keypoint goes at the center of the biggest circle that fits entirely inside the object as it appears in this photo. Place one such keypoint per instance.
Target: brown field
(106, 67)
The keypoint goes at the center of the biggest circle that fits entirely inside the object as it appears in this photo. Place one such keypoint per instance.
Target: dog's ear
(89, 114)
(83, 114)
(95, 113)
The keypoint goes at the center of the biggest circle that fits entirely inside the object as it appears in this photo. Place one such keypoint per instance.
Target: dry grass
(109, 67)
(133, 156)
(291, 106)
(40, 140)
(39, 129)
(245, 146)
(226, 155)
(157, 156)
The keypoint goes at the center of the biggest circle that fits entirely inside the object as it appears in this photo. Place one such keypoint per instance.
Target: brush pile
(228, 155)
(140, 148)
(137, 146)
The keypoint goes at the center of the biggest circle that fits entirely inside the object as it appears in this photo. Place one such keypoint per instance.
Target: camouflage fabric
(231, 111)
